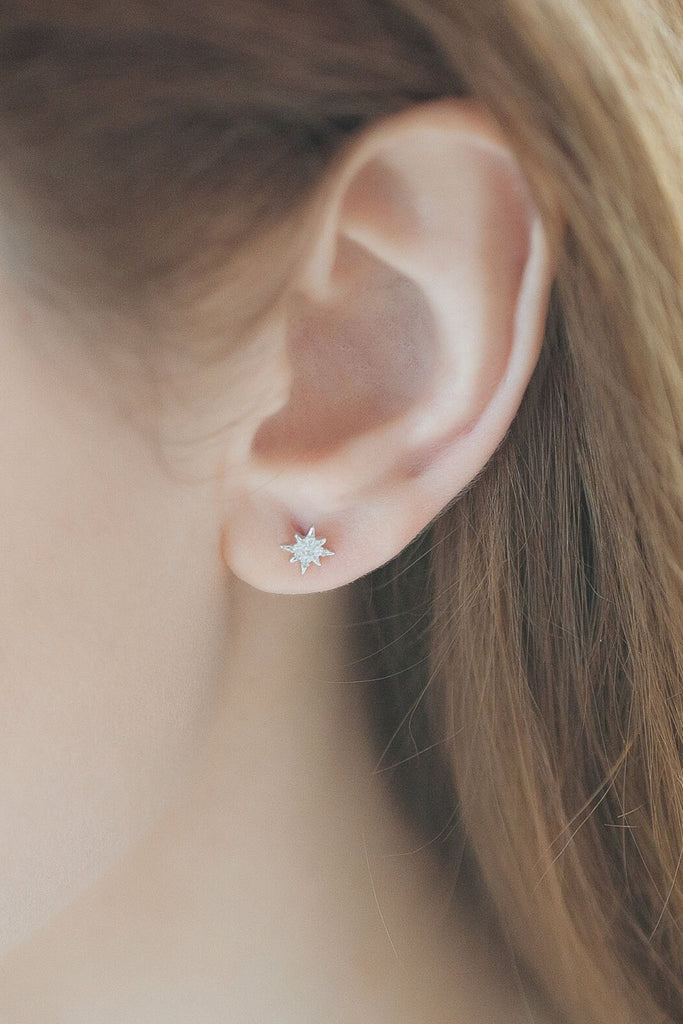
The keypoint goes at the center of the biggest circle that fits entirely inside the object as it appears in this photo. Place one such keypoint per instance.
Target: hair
(533, 633)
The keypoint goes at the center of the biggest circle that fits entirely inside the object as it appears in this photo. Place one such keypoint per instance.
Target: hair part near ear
(145, 154)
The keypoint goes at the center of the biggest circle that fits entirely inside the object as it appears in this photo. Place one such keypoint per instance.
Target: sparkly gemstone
(307, 550)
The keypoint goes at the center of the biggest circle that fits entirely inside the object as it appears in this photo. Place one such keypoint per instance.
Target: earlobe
(411, 333)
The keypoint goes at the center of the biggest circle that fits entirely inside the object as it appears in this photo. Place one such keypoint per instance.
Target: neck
(280, 885)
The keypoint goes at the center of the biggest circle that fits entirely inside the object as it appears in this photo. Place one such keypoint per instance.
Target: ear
(411, 333)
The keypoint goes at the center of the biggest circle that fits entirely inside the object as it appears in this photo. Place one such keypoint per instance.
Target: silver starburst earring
(307, 549)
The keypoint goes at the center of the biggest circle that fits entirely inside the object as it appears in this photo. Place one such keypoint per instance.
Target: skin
(194, 826)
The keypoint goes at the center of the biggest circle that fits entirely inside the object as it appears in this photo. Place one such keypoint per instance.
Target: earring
(307, 549)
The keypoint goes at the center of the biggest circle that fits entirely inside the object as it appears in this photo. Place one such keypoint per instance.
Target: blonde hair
(548, 598)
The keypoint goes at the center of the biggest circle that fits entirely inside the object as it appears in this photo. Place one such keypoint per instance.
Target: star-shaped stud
(307, 549)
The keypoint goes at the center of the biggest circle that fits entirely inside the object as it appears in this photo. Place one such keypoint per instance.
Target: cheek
(102, 705)
(110, 649)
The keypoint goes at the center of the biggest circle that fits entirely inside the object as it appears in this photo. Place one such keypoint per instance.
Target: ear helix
(307, 549)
